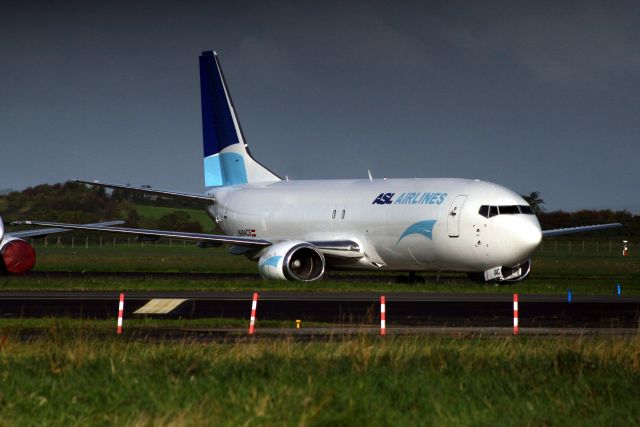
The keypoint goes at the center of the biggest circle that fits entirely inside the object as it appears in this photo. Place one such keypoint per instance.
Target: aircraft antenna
(370, 177)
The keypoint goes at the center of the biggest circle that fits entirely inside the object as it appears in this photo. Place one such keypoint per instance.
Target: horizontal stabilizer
(573, 230)
(41, 232)
(200, 198)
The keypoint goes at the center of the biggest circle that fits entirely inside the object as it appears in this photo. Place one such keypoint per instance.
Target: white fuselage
(400, 224)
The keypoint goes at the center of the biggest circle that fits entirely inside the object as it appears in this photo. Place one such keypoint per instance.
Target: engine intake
(292, 260)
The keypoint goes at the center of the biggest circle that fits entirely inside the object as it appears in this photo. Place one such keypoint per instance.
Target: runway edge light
(383, 316)
(254, 306)
(516, 328)
(120, 313)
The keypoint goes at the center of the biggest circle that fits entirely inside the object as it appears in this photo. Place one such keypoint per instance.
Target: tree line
(76, 203)
(562, 219)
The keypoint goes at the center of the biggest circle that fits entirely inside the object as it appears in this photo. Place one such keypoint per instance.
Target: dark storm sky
(532, 95)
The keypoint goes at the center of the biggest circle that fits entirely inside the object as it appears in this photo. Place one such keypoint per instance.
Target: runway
(331, 276)
(435, 310)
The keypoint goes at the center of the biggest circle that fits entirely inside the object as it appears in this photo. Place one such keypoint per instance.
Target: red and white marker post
(120, 313)
(383, 316)
(254, 306)
(516, 328)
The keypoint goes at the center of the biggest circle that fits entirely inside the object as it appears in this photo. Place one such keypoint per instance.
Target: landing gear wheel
(477, 277)
(411, 279)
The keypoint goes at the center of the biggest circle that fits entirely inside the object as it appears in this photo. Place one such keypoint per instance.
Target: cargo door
(453, 219)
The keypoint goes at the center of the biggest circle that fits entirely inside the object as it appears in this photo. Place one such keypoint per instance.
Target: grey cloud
(587, 44)
(532, 95)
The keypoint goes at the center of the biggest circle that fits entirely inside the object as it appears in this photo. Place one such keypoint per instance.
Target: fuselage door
(453, 218)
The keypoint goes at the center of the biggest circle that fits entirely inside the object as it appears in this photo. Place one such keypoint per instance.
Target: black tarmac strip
(422, 310)
(331, 277)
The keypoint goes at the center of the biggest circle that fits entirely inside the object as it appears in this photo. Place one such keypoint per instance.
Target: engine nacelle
(16, 256)
(292, 260)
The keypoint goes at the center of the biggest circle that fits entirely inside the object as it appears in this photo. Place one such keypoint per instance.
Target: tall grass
(66, 380)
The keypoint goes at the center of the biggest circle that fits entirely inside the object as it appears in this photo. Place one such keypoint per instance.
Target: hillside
(76, 203)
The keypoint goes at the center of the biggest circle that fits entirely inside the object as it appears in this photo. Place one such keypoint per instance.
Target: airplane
(298, 229)
(17, 256)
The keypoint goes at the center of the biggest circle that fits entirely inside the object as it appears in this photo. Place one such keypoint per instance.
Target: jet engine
(292, 260)
(16, 256)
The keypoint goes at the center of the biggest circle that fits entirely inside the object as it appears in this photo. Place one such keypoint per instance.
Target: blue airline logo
(272, 261)
(423, 228)
(414, 198)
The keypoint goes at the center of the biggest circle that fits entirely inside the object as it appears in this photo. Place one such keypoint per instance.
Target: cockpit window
(526, 210)
(511, 210)
(491, 211)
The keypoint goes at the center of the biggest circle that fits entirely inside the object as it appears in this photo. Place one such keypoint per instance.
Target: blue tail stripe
(218, 129)
(233, 168)
(224, 169)
(213, 176)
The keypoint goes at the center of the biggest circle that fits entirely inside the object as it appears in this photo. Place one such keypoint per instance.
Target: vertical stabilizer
(227, 160)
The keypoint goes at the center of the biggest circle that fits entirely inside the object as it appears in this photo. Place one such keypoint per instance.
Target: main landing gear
(411, 279)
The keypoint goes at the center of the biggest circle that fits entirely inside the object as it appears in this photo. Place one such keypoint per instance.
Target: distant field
(79, 373)
(594, 271)
(155, 212)
(69, 378)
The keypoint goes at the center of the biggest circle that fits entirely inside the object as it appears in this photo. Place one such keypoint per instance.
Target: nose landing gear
(503, 274)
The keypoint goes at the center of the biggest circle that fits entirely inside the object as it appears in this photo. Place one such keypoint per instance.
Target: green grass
(141, 257)
(10, 326)
(589, 272)
(65, 380)
(155, 212)
(77, 372)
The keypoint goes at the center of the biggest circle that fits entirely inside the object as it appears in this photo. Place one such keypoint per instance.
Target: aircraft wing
(344, 248)
(179, 235)
(40, 232)
(208, 200)
(572, 230)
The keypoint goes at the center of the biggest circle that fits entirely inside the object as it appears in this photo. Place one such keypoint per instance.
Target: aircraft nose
(529, 234)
